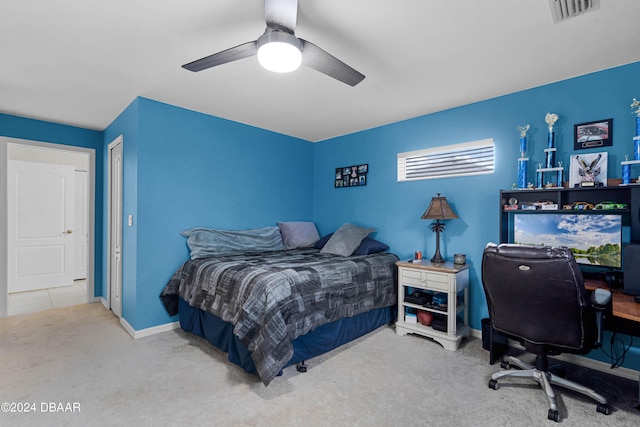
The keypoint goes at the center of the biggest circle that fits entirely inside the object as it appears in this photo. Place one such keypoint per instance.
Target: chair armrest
(600, 298)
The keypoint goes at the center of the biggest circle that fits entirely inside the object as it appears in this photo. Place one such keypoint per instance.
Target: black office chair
(536, 296)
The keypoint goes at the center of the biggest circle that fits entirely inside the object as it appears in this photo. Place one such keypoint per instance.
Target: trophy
(626, 170)
(551, 119)
(523, 161)
(539, 175)
(560, 175)
(626, 165)
(636, 141)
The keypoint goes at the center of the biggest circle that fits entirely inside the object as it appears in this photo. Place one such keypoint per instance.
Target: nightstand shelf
(429, 277)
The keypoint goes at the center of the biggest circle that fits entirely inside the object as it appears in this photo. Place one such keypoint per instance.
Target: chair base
(545, 379)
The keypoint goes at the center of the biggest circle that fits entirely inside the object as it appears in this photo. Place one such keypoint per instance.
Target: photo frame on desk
(593, 134)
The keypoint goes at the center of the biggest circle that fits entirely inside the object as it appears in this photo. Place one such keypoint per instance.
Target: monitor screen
(594, 239)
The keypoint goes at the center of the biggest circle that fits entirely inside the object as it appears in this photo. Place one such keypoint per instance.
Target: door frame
(91, 186)
(82, 187)
(118, 140)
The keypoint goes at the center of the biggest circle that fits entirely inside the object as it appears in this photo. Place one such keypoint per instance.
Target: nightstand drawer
(437, 277)
(438, 282)
(412, 277)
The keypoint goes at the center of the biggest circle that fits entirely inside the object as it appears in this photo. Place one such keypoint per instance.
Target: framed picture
(351, 176)
(588, 170)
(593, 134)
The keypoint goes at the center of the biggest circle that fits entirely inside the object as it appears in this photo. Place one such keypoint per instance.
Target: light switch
(130, 220)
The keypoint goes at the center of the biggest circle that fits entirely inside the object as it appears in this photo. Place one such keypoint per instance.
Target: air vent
(562, 10)
(469, 158)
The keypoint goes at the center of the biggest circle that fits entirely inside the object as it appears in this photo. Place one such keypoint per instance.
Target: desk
(622, 305)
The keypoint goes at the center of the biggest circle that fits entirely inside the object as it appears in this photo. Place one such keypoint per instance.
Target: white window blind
(468, 158)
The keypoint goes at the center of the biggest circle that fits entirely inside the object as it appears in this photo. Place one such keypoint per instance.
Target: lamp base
(437, 258)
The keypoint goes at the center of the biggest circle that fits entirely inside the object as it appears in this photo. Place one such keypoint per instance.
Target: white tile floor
(45, 299)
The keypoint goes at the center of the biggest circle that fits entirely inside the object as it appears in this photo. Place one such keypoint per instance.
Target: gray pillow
(346, 239)
(298, 234)
(208, 242)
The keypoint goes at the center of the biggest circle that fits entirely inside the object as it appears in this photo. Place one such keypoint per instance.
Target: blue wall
(394, 208)
(184, 169)
(37, 130)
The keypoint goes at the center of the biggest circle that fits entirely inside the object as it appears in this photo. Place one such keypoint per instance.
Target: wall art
(588, 170)
(593, 134)
(351, 176)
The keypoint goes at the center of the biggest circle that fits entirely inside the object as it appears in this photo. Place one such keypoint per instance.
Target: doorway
(48, 158)
(114, 221)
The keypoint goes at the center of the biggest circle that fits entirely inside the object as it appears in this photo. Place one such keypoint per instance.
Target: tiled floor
(44, 299)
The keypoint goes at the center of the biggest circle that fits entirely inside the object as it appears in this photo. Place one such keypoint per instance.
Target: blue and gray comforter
(271, 298)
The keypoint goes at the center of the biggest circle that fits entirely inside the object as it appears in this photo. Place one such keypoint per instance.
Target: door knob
(68, 232)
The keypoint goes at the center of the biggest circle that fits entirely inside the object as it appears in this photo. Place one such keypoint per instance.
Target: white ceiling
(81, 62)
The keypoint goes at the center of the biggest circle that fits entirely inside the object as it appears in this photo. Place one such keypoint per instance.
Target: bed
(271, 309)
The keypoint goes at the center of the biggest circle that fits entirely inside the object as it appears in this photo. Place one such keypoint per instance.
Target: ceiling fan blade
(319, 60)
(281, 14)
(233, 54)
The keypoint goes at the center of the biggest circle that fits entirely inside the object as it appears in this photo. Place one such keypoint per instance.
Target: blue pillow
(320, 243)
(370, 246)
(367, 247)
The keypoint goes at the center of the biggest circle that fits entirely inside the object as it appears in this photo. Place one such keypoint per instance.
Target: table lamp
(438, 209)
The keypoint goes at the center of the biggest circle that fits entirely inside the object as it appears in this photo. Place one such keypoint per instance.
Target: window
(468, 158)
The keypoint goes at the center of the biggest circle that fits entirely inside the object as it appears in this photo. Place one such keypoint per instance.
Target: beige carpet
(80, 358)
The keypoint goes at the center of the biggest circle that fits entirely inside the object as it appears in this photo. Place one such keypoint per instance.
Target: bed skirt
(319, 341)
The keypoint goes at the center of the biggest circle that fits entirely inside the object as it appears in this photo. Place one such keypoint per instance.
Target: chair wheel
(493, 384)
(603, 409)
(505, 365)
(301, 367)
(553, 415)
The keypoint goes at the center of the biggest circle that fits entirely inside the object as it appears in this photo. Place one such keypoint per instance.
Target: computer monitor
(594, 239)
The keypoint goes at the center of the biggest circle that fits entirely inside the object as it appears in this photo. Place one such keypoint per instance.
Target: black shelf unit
(629, 195)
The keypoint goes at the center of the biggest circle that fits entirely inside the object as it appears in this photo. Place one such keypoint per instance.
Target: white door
(81, 230)
(115, 226)
(40, 225)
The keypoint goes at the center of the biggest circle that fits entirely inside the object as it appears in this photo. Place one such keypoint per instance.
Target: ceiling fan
(279, 50)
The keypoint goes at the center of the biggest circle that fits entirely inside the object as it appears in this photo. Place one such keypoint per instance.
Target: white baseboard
(148, 331)
(143, 332)
(583, 361)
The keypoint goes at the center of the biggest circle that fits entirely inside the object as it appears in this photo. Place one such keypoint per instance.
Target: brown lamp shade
(439, 209)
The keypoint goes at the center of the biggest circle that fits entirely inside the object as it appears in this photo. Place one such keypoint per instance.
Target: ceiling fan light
(279, 51)
(279, 57)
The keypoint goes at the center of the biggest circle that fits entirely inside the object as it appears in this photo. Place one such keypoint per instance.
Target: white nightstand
(450, 278)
